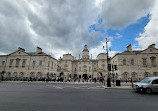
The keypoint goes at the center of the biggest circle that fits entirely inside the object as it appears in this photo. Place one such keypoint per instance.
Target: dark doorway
(85, 76)
(61, 76)
(75, 76)
(79, 76)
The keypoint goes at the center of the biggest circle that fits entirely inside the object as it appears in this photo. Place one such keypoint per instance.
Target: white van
(148, 85)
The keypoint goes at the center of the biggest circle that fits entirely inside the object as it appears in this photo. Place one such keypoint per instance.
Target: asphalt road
(72, 97)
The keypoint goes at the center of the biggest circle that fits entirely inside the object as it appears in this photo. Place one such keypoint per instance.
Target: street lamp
(108, 60)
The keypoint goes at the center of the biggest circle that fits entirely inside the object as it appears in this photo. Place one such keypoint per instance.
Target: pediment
(150, 50)
(19, 53)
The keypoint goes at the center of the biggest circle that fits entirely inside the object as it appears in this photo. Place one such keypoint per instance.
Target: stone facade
(20, 65)
(136, 64)
(85, 67)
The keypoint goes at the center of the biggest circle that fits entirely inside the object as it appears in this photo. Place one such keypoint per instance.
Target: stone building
(136, 64)
(84, 67)
(20, 65)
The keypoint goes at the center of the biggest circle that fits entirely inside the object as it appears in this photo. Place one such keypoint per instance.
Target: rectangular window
(52, 64)
(153, 61)
(11, 63)
(33, 63)
(3, 63)
(17, 62)
(23, 62)
(124, 61)
(132, 62)
(40, 63)
(144, 62)
(80, 69)
(89, 69)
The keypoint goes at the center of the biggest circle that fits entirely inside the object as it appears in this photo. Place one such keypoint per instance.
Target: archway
(125, 76)
(39, 76)
(21, 76)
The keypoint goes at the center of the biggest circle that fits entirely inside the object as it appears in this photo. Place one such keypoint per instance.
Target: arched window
(125, 76)
(15, 74)
(133, 75)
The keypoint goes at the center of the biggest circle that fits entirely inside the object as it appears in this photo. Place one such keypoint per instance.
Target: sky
(65, 26)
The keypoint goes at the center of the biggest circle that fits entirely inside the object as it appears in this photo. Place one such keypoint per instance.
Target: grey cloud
(61, 24)
(120, 13)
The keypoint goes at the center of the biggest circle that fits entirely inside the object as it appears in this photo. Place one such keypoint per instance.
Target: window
(75, 69)
(132, 61)
(153, 61)
(144, 62)
(125, 76)
(3, 63)
(33, 63)
(89, 69)
(21, 74)
(124, 61)
(52, 64)
(155, 81)
(17, 62)
(84, 66)
(11, 63)
(40, 63)
(85, 70)
(80, 69)
(134, 75)
(24, 63)
(15, 74)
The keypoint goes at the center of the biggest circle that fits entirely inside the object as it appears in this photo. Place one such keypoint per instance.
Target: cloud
(121, 13)
(54, 25)
(61, 26)
(150, 34)
(99, 49)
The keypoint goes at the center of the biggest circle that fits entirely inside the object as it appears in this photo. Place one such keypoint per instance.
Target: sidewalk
(123, 86)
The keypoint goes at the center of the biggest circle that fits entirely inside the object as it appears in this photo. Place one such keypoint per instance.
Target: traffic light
(109, 67)
(115, 67)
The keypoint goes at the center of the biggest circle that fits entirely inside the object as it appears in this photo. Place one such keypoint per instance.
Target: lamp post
(108, 78)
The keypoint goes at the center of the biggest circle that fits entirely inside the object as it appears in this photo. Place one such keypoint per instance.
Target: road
(72, 97)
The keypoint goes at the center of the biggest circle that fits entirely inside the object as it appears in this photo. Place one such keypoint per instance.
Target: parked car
(148, 85)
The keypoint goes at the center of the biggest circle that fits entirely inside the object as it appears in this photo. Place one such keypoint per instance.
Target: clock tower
(85, 52)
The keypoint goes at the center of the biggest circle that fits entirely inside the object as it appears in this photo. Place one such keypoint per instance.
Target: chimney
(152, 46)
(38, 50)
(129, 47)
(21, 49)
